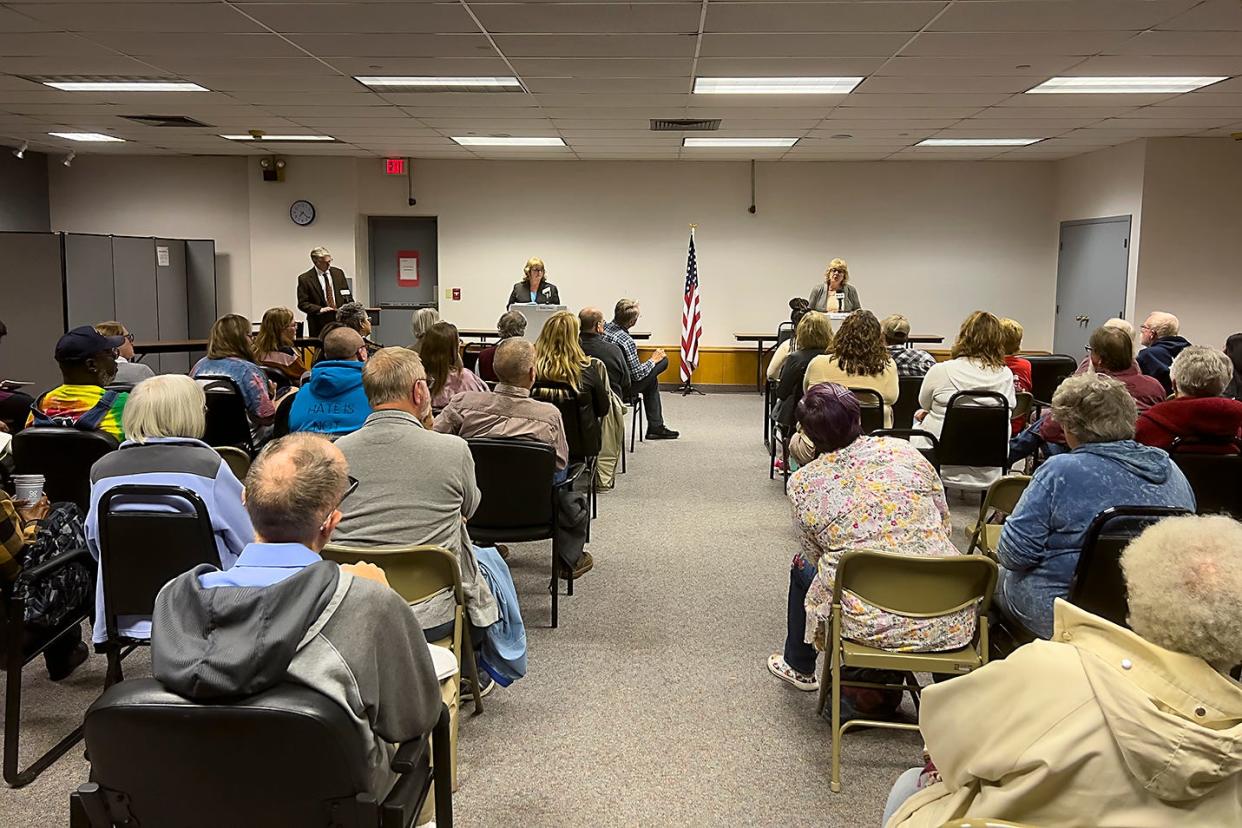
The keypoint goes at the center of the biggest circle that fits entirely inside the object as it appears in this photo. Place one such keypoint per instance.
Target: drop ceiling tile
(945, 154)
(977, 101)
(189, 44)
(1134, 132)
(1214, 15)
(139, 17)
(781, 66)
(464, 100)
(1036, 113)
(898, 113)
(220, 63)
(801, 45)
(270, 98)
(589, 45)
(758, 113)
(1057, 15)
(601, 18)
(603, 67)
(1018, 65)
(605, 113)
(41, 44)
(1025, 125)
(617, 134)
(470, 66)
(877, 85)
(769, 104)
(1234, 111)
(820, 17)
(472, 112)
(849, 123)
(299, 112)
(1071, 101)
(566, 87)
(986, 44)
(260, 88)
(1158, 65)
(1207, 44)
(362, 18)
(489, 125)
(990, 129)
(1187, 125)
(394, 45)
(17, 20)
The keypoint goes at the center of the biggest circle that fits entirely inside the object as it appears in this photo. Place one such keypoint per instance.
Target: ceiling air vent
(165, 120)
(684, 124)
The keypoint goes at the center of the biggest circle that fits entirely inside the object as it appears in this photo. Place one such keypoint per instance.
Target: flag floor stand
(687, 388)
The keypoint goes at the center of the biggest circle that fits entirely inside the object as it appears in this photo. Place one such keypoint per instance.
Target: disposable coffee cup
(28, 487)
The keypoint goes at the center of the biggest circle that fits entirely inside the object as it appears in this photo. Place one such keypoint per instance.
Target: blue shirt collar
(277, 555)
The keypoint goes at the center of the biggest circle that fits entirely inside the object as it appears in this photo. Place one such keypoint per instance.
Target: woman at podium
(533, 287)
(835, 294)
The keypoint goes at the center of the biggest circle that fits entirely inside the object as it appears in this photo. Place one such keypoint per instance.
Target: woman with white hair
(1102, 725)
(354, 315)
(1197, 418)
(1105, 467)
(420, 323)
(164, 421)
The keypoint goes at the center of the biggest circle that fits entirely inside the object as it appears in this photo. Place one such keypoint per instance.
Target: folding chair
(281, 426)
(228, 423)
(930, 451)
(871, 406)
(1047, 372)
(907, 401)
(976, 431)
(583, 433)
(916, 587)
(236, 459)
(1002, 498)
(1215, 478)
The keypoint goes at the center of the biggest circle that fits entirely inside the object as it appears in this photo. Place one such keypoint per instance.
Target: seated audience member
(858, 359)
(977, 364)
(87, 361)
(1041, 540)
(420, 322)
(1084, 365)
(273, 344)
(127, 372)
(1160, 345)
(814, 338)
(282, 613)
(798, 308)
(446, 376)
(164, 424)
(859, 492)
(509, 412)
(418, 487)
(559, 358)
(911, 362)
(14, 404)
(333, 400)
(1233, 350)
(230, 355)
(511, 323)
(355, 317)
(1102, 725)
(1197, 416)
(31, 534)
(644, 377)
(595, 344)
(1012, 330)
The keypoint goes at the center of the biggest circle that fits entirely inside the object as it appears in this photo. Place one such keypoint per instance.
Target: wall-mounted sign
(394, 166)
(407, 268)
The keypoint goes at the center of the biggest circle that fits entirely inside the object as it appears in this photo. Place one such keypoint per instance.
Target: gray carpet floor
(651, 704)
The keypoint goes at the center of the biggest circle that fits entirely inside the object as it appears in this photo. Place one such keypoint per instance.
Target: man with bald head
(282, 613)
(1162, 344)
(591, 337)
(333, 400)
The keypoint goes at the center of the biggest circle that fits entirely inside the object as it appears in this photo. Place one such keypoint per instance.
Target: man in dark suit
(591, 324)
(321, 290)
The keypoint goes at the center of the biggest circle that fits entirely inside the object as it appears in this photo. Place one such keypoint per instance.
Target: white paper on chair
(444, 660)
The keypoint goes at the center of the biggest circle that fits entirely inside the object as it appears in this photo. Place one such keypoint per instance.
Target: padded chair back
(281, 426)
(515, 479)
(64, 457)
(930, 451)
(227, 421)
(1216, 480)
(149, 535)
(1047, 372)
(582, 430)
(907, 401)
(916, 585)
(1098, 585)
(286, 756)
(415, 572)
(470, 355)
(871, 406)
(784, 331)
(976, 430)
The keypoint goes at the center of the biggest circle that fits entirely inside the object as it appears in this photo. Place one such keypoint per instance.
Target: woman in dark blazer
(533, 287)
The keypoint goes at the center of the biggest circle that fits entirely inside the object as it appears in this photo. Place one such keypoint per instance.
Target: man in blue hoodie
(1161, 345)
(333, 401)
(1105, 467)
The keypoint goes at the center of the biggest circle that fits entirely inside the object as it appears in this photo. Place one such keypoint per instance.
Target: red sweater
(1194, 419)
(1021, 369)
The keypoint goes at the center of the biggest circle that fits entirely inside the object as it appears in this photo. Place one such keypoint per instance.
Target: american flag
(691, 317)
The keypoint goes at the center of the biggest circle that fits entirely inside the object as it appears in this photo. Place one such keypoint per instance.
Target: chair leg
(623, 452)
(913, 688)
(13, 717)
(114, 674)
(556, 587)
(471, 665)
(824, 688)
(772, 458)
(633, 429)
(442, 770)
(835, 783)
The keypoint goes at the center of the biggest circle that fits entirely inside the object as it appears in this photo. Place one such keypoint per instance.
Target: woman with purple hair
(859, 492)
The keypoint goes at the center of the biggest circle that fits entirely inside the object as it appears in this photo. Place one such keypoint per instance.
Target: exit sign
(394, 166)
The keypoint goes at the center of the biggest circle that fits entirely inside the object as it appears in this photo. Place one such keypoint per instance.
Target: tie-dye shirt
(75, 400)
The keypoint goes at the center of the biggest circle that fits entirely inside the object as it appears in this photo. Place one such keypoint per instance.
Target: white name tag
(345, 292)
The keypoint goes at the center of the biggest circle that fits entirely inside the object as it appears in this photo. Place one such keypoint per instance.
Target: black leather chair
(281, 426)
(64, 456)
(519, 498)
(228, 423)
(871, 406)
(929, 451)
(583, 431)
(23, 645)
(1098, 585)
(907, 401)
(148, 535)
(1215, 478)
(975, 431)
(283, 757)
(1047, 372)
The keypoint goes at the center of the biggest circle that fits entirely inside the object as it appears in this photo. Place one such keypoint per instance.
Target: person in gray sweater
(282, 613)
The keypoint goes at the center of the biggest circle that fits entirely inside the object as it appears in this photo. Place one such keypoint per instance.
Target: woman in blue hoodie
(1040, 542)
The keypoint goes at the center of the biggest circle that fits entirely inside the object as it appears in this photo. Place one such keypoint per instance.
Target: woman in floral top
(860, 492)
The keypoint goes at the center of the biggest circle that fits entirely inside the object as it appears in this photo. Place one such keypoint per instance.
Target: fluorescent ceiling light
(775, 86)
(977, 142)
(1084, 85)
(95, 137)
(126, 86)
(267, 139)
(430, 80)
(739, 142)
(488, 141)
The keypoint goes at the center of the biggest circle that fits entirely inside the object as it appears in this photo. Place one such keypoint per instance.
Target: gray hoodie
(354, 640)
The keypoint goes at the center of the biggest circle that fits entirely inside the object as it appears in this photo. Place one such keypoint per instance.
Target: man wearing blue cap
(87, 362)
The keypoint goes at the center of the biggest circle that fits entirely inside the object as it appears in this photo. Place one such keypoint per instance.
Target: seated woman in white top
(977, 364)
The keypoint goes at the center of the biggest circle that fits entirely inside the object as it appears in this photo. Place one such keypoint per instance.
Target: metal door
(396, 291)
(1091, 279)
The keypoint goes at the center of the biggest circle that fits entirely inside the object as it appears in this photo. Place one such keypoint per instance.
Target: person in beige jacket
(1103, 726)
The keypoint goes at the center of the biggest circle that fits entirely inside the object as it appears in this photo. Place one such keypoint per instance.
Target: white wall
(1191, 259)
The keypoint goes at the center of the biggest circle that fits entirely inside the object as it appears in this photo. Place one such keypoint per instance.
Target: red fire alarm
(394, 166)
(456, 294)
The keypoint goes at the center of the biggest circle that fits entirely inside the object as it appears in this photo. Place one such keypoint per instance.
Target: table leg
(759, 366)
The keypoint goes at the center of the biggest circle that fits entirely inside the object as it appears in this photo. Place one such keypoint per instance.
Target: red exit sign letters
(394, 166)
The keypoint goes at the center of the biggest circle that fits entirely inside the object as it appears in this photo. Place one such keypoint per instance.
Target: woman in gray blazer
(533, 287)
(836, 280)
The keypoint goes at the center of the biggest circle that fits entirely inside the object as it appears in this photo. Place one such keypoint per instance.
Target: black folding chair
(929, 451)
(228, 423)
(1098, 585)
(871, 406)
(281, 425)
(975, 431)
(148, 535)
(583, 432)
(907, 401)
(519, 498)
(1215, 478)
(286, 756)
(1047, 372)
(64, 457)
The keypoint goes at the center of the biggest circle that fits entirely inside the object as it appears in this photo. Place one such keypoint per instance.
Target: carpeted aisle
(651, 704)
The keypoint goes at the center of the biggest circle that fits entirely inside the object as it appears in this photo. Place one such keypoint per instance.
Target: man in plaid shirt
(911, 362)
(644, 376)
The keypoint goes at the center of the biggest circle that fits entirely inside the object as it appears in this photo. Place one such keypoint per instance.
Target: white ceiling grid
(597, 71)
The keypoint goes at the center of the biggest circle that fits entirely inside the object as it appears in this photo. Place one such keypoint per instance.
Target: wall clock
(302, 212)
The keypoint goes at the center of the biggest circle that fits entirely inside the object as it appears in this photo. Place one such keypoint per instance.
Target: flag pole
(687, 387)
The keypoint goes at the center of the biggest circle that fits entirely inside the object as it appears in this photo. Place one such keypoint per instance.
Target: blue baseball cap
(84, 342)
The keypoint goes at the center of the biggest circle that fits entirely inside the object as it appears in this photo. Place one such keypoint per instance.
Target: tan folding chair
(1025, 402)
(1002, 497)
(916, 587)
(237, 460)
